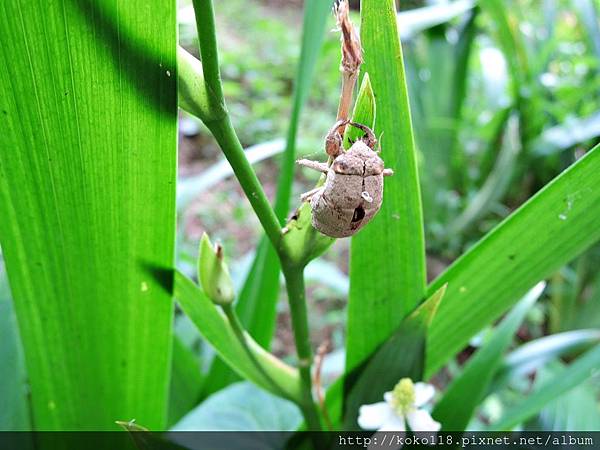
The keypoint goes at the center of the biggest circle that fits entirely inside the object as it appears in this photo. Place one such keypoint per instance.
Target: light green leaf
(466, 391)
(365, 111)
(534, 354)
(87, 204)
(549, 230)
(382, 292)
(242, 407)
(215, 328)
(562, 381)
(577, 410)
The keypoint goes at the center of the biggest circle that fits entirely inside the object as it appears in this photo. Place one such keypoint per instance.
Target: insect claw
(388, 172)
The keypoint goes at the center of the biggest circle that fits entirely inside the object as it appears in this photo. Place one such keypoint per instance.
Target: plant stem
(222, 128)
(207, 38)
(294, 280)
(227, 139)
(238, 329)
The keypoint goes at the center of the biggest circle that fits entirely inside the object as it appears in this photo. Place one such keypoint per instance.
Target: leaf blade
(376, 309)
(84, 211)
(528, 246)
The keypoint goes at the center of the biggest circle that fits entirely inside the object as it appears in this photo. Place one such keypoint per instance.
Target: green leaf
(413, 21)
(466, 391)
(402, 355)
(365, 111)
(257, 302)
(577, 410)
(562, 381)
(186, 381)
(242, 407)
(14, 414)
(382, 293)
(88, 103)
(215, 328)
(549, 230)
(534, 354)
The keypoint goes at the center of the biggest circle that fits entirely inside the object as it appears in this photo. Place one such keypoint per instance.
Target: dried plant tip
(351, 48)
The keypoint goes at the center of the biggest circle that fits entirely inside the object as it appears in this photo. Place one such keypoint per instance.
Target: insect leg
(308, 195)
(321, 167)
(369, 138)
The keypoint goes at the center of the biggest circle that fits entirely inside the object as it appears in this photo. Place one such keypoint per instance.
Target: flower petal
(423, 393)
(388, 397)
(371, 417)
(394, 423)
(421, 420)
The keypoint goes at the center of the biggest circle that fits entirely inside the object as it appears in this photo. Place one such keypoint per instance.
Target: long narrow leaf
(553, 227)
(88, 103)
(562, 381)
(466, 391)
(215, 328)
(387, 263)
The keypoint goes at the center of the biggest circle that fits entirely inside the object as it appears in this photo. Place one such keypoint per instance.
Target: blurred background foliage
(505, 95)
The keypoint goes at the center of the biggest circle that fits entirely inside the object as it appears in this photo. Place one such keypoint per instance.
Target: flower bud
(213, 273)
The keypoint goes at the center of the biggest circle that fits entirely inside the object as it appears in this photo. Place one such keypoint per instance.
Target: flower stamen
(403, 396)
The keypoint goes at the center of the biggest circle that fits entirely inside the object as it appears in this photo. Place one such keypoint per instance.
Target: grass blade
(553, 227)
(378, 305)
(87, 204)
(464, 394)
(562, 381)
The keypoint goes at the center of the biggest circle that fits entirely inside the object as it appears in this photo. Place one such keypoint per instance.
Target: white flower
(400, 406)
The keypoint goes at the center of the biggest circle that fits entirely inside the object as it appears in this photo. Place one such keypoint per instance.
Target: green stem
(221, 126)
(207, 38)
(238, 329)
(294, 280)
(224, 133)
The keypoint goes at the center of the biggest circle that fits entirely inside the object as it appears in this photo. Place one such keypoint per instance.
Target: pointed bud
(213, 273)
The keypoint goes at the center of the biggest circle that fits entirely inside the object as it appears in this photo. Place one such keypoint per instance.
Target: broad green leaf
(387, 262)
(257, 302)
(215, 328)
(563, 381)
(88, 103)
(549, 230)
(14, 414)
(402, 355)
(186, 381)
(242, 407)
(466, 391)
